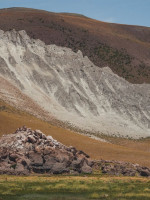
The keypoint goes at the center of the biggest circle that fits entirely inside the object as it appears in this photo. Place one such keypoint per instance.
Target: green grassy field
(73, 188)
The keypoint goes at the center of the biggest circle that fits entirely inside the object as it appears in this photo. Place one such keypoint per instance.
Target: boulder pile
(27, 151)
(118, 168)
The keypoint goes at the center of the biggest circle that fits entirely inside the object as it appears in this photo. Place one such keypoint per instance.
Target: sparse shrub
(95, 195)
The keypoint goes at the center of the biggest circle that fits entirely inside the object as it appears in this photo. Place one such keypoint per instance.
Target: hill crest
(124, 48)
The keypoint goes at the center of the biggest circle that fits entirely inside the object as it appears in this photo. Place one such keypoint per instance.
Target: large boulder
(86, 169)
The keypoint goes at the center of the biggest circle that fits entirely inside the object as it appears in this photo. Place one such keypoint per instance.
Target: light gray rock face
(73, 89)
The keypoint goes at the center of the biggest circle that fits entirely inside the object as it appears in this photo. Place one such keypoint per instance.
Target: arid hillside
(71, 88)
(125, 49)
(66, 70)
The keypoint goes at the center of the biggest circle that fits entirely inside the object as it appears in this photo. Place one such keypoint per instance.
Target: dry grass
(125, 150)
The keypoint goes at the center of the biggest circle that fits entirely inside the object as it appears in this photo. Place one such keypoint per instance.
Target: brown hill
(124, 48)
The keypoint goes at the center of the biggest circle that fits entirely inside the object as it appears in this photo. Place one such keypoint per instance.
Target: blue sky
(135, 12)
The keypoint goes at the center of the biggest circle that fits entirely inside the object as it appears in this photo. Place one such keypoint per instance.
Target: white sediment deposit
(72, 89)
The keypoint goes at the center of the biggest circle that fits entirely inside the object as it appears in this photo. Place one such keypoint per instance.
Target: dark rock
(76, 164)
(49, 161)
(47, 150)
(83, 153)
(13, 157)
(59, 168)
(145, 172)
(19, 167)
(35, 158)
(89, 162)
(86, 169)
(121, 168)
(31, 139)
(38, 133)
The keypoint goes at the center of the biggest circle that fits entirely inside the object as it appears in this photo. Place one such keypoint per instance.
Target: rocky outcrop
(121, 168)
(26, 151)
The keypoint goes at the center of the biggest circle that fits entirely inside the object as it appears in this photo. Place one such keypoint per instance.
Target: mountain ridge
(124, 48)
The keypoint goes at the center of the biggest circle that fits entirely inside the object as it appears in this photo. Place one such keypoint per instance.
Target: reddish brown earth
(124, 48)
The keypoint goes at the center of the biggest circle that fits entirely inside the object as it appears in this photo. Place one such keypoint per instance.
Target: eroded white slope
(73, 89)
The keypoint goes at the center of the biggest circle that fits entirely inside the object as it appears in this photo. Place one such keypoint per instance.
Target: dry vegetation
(73, 188)
(121, 149)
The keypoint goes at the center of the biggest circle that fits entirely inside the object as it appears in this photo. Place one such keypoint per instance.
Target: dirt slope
(126, 49)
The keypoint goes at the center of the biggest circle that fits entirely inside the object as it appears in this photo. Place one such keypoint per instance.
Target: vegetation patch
(73, 187)
(113, 56)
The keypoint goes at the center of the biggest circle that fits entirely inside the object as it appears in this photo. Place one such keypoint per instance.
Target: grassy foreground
(73, 188)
